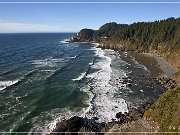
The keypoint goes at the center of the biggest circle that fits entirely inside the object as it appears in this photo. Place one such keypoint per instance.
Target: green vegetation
(165, 111)
(161, 37)
(108, 30)
(86, 34)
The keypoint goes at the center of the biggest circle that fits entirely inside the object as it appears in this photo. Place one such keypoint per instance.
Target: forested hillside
(164, 34)
(161, 37)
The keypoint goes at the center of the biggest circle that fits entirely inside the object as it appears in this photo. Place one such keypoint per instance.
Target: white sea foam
(73, 57)
(48, 70)
(60, 114)
(105, 104)
(5, 84)
(48, 62)
(66, 113)
(141, 90)
(85, 42)
(19, 97)
(91, 63)
(80, 77)
(95, 44)
(65, 41)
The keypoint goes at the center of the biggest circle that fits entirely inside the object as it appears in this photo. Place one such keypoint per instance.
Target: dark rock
(75, 123)
(72, 125)
(166, 82)
(135, 114)
(103, 124)
(129, 84)
(121, 118)
(124, 78)
(74, 39)
(141, 109)
(119, 115)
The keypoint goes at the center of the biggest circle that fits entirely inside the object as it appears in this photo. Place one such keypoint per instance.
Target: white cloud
(7, 27)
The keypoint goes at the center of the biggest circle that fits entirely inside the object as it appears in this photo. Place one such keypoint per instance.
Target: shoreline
(90, 125)
(155, 64)
(162, 62)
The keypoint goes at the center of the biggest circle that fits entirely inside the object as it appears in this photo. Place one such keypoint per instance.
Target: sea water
(44, 80)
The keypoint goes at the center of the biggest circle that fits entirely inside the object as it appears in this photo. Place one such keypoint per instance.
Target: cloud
(7, 27)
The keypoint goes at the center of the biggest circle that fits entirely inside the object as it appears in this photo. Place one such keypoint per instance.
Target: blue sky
(73, 17)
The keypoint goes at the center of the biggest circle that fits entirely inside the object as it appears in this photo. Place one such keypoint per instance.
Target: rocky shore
(80, 125)
(135, 116)
(166, 82)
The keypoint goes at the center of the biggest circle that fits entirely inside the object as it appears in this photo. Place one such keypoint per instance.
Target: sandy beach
(157, 65)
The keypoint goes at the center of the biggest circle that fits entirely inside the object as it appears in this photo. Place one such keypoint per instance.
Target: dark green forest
(161, 35)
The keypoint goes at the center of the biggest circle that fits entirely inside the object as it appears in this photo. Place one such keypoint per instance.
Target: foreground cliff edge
(161, 38)
(163, 116)
(160, 116)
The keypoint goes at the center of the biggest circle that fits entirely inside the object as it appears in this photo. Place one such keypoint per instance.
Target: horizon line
(78, 2)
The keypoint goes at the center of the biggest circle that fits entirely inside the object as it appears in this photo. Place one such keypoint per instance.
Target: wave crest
(5, 84)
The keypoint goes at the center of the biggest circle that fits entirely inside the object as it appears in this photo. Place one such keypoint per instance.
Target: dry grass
(166, 111)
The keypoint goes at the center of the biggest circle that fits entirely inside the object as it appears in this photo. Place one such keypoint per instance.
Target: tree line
(161, 35)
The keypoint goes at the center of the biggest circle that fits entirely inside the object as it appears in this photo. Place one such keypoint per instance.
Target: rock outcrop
(79, 124)
(85, 35)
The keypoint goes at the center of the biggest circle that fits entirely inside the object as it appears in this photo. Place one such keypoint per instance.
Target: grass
(166, 111)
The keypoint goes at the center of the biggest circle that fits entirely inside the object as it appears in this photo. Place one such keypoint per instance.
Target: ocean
(44, 80)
